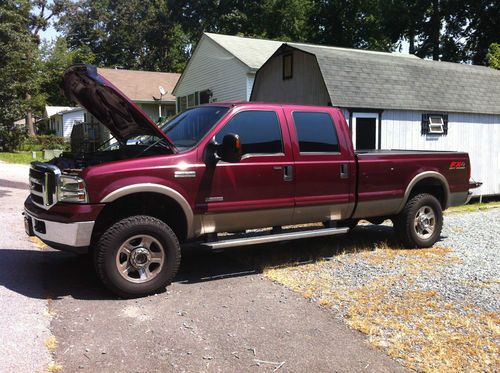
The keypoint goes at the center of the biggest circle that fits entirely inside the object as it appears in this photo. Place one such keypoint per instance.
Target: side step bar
(244, 241)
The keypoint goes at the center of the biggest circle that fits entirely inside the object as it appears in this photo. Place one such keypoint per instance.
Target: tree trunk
(29, 118)
(435, 29)
(411, 40)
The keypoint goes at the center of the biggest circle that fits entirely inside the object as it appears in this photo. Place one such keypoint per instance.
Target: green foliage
(11, 138)
(493, 56)
(131, 34)
(57, 57)
(42, 142)
(17, 70)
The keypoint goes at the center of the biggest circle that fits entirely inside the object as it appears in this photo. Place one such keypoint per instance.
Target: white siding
(69, 120)
(212, 67)
(476, 134)
(250, 81)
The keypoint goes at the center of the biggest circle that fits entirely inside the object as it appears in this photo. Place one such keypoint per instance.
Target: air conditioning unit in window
(436, 124)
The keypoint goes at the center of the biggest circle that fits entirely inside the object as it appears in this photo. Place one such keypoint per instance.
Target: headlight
(72, 189)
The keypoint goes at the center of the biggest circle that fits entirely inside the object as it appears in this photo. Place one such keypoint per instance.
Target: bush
(11, 138)
(42, 142)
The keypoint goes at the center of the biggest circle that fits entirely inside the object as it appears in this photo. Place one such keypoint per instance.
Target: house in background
(61, 119)
(142, 87)
(395, 101)
(222, 68)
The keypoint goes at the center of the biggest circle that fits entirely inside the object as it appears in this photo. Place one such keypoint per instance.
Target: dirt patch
(380, 293)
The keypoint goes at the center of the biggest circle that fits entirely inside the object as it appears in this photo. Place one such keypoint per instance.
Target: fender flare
(420, 177)
(154, 188)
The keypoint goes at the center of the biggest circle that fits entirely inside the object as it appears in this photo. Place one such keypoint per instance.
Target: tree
(56, 57)
(17, 72)
(132, 34)
(493, 56)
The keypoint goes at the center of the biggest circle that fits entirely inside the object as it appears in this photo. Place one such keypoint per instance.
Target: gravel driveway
(431, 309)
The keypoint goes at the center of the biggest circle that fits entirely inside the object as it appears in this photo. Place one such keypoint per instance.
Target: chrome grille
(44, 182)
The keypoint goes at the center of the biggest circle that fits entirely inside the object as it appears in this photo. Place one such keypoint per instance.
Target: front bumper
(73, 237)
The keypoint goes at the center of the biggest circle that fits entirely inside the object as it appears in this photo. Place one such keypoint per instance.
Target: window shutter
(445, 124)
(425, 124)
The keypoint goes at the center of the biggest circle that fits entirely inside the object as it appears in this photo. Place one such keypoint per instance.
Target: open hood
(124, 119)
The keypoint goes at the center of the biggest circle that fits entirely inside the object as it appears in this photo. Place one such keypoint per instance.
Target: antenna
(162, 90)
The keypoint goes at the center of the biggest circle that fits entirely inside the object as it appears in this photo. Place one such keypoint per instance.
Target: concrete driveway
(220, 314)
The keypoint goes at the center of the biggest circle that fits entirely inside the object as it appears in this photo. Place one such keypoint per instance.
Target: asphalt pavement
(220, 314)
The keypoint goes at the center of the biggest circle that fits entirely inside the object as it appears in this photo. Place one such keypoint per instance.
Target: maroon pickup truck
(225, 168)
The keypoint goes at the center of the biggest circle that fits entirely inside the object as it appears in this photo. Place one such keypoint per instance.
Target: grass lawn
(20, 157)
(474, 207)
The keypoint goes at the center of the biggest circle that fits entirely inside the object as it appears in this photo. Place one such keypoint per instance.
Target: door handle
(288, 173)
(344, 171)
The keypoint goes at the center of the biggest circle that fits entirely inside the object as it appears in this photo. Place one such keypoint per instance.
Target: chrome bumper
(72, 234)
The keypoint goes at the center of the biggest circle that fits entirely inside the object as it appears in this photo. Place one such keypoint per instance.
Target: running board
(255, 240)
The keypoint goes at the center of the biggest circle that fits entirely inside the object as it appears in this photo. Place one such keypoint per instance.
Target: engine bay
(73, 163)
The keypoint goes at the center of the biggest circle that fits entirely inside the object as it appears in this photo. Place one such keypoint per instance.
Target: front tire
(137, 256)
(420, 223)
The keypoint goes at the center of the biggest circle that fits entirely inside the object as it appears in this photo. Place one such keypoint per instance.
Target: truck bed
(385, 177)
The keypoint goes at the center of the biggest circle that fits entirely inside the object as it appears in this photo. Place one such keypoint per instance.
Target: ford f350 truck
(216, 171)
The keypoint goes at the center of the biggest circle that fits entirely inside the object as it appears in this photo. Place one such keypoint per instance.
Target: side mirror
(230, 149)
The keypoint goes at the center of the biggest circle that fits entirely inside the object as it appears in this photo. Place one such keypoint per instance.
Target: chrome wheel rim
(140, 258)
(425, 222)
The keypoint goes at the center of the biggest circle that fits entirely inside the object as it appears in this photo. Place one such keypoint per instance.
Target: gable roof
(141, 86)
(250, 51)
(53, 110)
(366, 79)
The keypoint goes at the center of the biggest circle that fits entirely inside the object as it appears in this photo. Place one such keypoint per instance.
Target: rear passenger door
(256, 191)
(323, 168)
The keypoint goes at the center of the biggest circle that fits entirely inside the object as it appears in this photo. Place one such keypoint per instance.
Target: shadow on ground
(55, 274)
(13, 184)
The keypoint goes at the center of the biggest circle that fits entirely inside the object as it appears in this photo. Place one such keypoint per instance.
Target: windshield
(189, 127)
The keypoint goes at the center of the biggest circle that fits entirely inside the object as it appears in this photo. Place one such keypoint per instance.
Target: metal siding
(250, 81)
(69, 120)
(476, 134)
(305, 87)
(212, 67)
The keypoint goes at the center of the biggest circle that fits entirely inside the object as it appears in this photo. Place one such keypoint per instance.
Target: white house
(61, 119)
(222, 68)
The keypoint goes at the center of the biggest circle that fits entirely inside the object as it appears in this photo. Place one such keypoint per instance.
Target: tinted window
(189, 127)
(259, 132)
(316, 132)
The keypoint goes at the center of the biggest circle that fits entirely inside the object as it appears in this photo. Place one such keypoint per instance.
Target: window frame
(284, 61)
(297, 135)
(250, 155)
(440, 125)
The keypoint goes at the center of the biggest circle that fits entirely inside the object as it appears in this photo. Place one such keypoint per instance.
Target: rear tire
(137, 256)
(420, 223)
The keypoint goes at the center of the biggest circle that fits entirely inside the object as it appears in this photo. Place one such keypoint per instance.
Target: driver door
(257, 191)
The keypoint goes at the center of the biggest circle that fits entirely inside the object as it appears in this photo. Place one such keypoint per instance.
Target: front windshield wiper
(165, 144)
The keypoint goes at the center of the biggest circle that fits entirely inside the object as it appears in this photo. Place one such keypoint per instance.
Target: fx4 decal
(457, 165)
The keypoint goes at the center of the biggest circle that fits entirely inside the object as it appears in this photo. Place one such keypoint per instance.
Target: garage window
(434, 124)
(288, 66)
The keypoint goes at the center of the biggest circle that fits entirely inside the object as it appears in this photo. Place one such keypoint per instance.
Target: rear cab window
(259, 132)
(316, 132)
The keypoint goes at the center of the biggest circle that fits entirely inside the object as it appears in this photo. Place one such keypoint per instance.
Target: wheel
(137, 256)
(420, 222)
